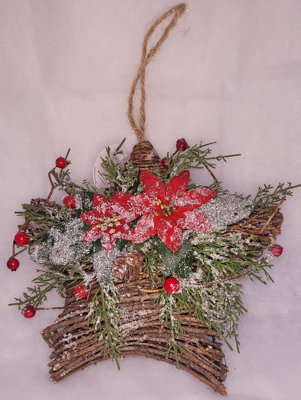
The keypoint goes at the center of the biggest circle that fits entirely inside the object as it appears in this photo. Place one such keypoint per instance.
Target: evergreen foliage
(208, 265)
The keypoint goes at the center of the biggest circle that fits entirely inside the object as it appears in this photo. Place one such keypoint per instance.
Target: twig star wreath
(150, 264)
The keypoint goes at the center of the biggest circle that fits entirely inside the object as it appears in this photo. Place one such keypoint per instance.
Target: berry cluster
(181, 145)
(21, 239)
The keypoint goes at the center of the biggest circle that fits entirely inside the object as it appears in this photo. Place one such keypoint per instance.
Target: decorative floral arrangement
(193, 244)
(149, 263)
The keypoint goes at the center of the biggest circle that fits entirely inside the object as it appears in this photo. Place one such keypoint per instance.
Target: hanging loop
(138, 122)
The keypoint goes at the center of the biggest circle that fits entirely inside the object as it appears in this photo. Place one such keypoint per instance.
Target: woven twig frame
(142, 332)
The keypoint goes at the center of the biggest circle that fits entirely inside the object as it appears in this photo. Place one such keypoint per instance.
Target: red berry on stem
(164, 162)
(182, 144)
(80, 292)
(13, 264)
(69, 201)
(61, 162)
(276, 250)
(28, 311)
(171, 285)
(21, 239)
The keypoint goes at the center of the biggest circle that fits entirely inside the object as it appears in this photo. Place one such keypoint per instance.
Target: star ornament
(109, 219)
(170, 208)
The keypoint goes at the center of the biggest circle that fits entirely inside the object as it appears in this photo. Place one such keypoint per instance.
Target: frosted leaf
(226, 209)
(103, 262)
(64, 244)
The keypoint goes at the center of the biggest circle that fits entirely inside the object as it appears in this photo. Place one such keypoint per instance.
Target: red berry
(69, 201)
(21, 239)
(276, 250)
(13, 264)
(28, 311)
(171, 285)
(80, 292)
(182, 144)
(164, 162)
(61, 162)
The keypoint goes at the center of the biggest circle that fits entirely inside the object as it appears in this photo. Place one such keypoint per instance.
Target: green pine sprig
(119, 177)
(195, 157)
(218, 307)
(44, 218)
(268, 196)
(47, 280)
(168, 308)
(219, 257)
(104, 316)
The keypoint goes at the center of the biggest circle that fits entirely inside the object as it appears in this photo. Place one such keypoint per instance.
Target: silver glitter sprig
(63, 245)
(103, 262)
(226, 209)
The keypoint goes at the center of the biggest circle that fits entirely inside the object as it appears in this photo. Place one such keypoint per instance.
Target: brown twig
(218, 281)
(211, 173)
(52, 173)
(272, 216)
(150, 290)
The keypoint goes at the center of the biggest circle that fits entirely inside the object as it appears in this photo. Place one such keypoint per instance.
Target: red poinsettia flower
(170, 208)
(109, 219)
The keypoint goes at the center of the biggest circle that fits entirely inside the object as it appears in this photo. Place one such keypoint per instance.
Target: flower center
(167, 209)
(109, 223)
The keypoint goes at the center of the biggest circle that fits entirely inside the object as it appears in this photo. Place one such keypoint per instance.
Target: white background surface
(230, 72)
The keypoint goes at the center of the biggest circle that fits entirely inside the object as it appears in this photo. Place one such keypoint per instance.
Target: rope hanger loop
(138, 122)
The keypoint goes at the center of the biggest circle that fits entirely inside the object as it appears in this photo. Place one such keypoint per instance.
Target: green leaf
(120, 244)
(96, 246)
(179, 263)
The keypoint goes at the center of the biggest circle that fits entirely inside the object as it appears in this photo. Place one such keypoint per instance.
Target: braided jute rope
(138, 123)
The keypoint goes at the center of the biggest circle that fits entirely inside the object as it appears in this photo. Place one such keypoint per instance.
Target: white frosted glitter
(63, 245)
(226, 209)
(103, 262)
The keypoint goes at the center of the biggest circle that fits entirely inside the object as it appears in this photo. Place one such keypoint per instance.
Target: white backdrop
(230, 72)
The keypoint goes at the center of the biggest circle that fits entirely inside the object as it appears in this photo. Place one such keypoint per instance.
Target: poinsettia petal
(108, 241)
(142, 203)
(119, 204)
(130, 206)
(98, 200)
(100, 203)
(195, 221)
(177, 215)
(93, 234)
(125, 235)
(119, 198)
(144, 229)
(170, 234)
(206, 192)
(90, 217)
(177, 185)
(153, 186)
(194, 198)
